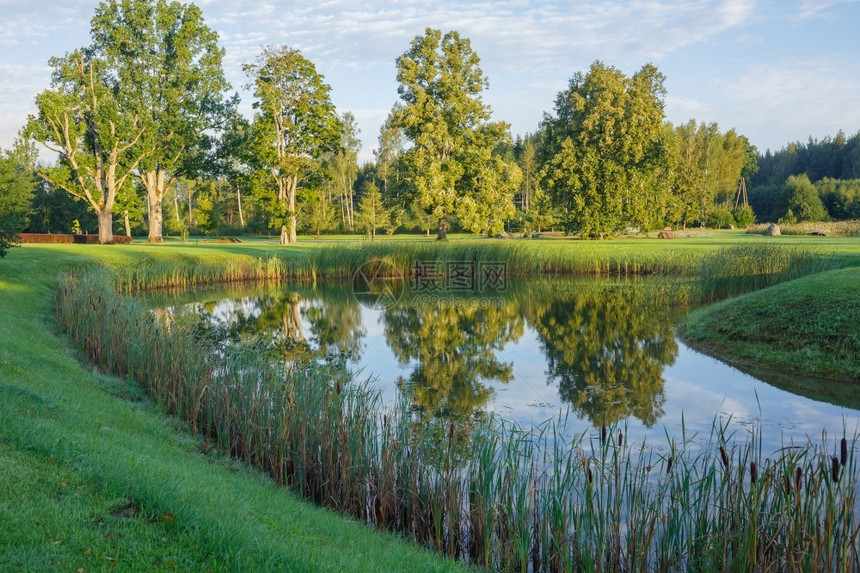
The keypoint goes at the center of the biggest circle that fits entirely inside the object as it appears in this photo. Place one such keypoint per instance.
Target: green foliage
(294, 125)
(83, 120)
(451, 167)
(607, 150)
(834, 157)
(720, 217)
(802, 199)
(840, 197)
(744, 216)
(164, 65)
(17, 186)
(371, 214)
(788, 218)
(710, 164)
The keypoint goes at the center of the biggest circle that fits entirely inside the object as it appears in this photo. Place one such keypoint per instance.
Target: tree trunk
(105, 226)
(154, 181)
(443, 229)
(155, 219)
(292, 210)
(239, 200)
(127, 223)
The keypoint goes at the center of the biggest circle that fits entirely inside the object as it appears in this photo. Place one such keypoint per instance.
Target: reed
(740, 269)
(488, 492)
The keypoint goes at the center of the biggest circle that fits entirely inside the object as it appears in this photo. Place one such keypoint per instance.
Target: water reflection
(606, 347)
(456, 347)
(604, 344)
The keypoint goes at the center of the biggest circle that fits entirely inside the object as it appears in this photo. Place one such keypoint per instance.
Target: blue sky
(777, 71)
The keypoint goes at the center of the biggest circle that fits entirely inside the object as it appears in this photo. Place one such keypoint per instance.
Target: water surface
(598, 351)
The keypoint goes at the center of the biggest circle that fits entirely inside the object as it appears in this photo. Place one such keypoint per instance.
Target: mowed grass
(809, 325)
(94, 475)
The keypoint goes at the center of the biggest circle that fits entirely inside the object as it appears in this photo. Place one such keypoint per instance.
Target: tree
(371, 213)
(451, 166)
(294, 125)
(98, 140)
(607, 150)
(744, 216)
(17, 186)
(342, 163)
(801, 198)
(164, 66)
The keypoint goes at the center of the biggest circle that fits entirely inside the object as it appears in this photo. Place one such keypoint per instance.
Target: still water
(597, 351)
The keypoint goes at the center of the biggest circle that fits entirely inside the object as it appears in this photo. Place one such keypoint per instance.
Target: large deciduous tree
(294, 125)
(164, 66)
(98, 141)
(607, 150)
(451, 166)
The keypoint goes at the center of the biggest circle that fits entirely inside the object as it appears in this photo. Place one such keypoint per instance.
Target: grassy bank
(93, 473)
(810, 326)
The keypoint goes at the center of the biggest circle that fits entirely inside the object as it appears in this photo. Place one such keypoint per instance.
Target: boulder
(772, 230)
(666, 233)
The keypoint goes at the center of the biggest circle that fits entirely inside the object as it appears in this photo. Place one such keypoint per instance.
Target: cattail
(724, 457)
(451, 432)
(590, 475)
(620, 439)
(843, 452)
(753, 472)
(337, 387)
(798, 474)
(835, 469)
(787, 483)
(603, 434)
(669, 465)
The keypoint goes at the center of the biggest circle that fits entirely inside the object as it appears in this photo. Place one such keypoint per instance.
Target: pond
(600, 352)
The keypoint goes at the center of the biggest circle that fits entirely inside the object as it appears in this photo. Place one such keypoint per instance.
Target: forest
(148, 141)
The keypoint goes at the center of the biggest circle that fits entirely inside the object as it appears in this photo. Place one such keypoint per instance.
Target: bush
(66, 238)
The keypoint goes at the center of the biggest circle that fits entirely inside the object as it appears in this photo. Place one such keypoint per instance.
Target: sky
(777, 71)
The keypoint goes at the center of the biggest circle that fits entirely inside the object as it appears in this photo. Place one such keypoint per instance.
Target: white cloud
(818, 8)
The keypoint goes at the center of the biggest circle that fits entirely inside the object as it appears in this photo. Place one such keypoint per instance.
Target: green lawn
(92, 474)
(810, 326)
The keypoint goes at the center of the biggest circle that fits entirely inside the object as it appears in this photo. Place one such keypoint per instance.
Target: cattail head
(620, 439)
(451, 431)
(798, 476)
(753, 472)
(603, 433)
(589, 475)
(337, 387)
(843, 452)
(669, 465)
(787, 484)
(724, 457)
(835, 469)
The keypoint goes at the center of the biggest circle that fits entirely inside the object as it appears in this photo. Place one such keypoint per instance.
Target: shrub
(67, 238)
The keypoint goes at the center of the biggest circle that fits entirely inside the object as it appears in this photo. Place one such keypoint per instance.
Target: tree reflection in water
(605, 343)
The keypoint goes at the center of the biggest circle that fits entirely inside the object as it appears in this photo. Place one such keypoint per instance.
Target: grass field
(94, 474)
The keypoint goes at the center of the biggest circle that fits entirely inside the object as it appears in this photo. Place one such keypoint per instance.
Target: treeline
(149, 141)
(816, 181)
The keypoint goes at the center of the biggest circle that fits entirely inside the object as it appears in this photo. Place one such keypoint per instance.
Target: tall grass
(731, 271)
(498, 495)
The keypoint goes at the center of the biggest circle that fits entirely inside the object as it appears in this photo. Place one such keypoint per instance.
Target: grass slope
(809, 325)
(92, 475)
